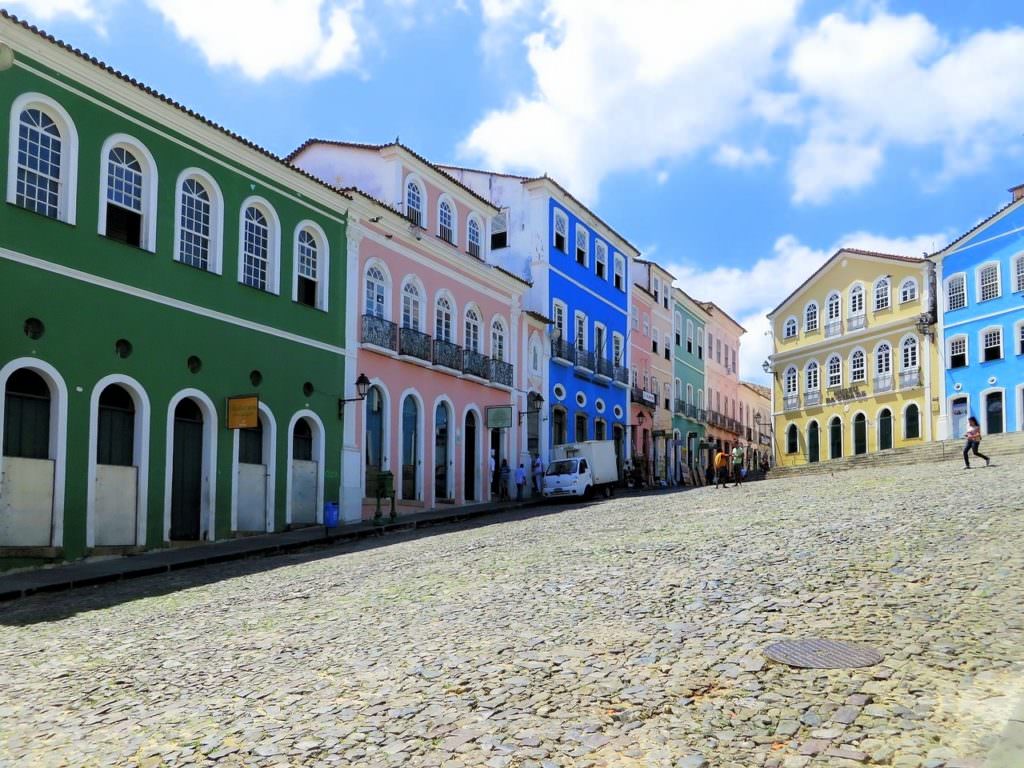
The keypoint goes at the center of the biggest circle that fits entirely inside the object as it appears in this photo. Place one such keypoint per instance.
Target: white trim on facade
(150, 186)
(216, 245)
(319, 451)
(208, 510)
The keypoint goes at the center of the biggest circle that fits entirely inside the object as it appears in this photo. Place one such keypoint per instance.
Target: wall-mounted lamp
(538, 400)
(766, 366)
(362, 387)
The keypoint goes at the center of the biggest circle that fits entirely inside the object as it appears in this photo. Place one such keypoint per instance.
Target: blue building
(579, 270)
(981, 322)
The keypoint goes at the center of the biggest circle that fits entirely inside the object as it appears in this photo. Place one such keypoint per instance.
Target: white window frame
(577, 316)
(322, 262)
(582, 235)
(634, 317)
(878, 359)
(445, 199)
(982, 347)
(910, 342)
(790, 328)
(421, 301)
(453, 314)
(618, 349)
(879, 304)
(979, 286)
(559, 310)
(689, 336)
(499, 327)
(812, 376)
(857, 297)
(912, 284)
(385, 283)
(1018, 338)
(949, 350)
(1018, 272)
(619, 273)
(791, 381)
(413, 179)
(149, 186)
(600, 259)
(834, 378)
(604, 335)
(560, 216)
(467, 325)
(960, 277)
(689, 393)
(273, 242)
(67, 195)
(470, 220)
(700, 343)
(216, 244)
(811, 323)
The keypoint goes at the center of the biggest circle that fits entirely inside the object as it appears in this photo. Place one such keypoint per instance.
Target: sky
(738, 143)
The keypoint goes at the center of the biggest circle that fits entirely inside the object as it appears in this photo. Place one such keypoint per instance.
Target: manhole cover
(815, 653)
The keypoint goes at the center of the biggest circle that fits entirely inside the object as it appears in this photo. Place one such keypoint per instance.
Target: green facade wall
(689, 369)
(84, 315)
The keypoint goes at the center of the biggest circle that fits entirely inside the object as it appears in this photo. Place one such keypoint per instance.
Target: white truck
(582, 469)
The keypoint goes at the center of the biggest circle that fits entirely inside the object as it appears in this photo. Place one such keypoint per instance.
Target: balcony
(501, 373)
(911, 378)
(475, 364)
(791, 403)
(643, 397)
(413, 343)
(812, 398)
(693, 412)
(379, 332)
(833, 328)
(679, 406)
(447, 355)
(585, 361)
(883, 383)
(856, 322)
(562, 352)
(605, 370)
(620, 376)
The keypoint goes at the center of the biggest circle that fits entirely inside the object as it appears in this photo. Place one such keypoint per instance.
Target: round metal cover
(815, 653)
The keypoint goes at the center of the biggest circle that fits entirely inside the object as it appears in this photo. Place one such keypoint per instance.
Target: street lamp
(362, 387)
(766, 366)
(538, 400)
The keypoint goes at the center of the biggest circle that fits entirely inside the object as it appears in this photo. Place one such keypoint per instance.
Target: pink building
(439, 329)
(722, 379)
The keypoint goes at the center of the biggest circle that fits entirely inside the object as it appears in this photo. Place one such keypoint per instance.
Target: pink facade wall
(722, 380)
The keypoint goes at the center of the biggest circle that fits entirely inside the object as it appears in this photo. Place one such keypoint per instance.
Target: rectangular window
(582, 247)
(654, 345)
(700, 343)
(993, 344)
(499, 231)
(620, 273)
(657, 289)
(558, 310)
(617, 349)
(561, 232)
(988, 280)
(581, 331)
(689, 336)
(1018, 278)
(601, 259)
(718, 351)
(958, 352)
(1020, 339)
(956, 293)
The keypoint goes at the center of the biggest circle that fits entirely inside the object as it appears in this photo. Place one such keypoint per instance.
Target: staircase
(1008, 447)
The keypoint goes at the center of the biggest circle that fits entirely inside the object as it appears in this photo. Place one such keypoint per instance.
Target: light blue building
(981, 324)
(579, 269)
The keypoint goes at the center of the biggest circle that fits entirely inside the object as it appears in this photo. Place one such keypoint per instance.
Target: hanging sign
(244, 412)
(499, 416)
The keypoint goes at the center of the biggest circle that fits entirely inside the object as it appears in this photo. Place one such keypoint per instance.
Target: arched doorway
(912, 422)
(558, 436)
(442, 473)
(374, 440)
(835, 438)
(117, 476)
(469, 451)
(994, 413)
(251, 477)
(812, 442)
(534, 403)
(958, 411)
(792, 439)
(860, 434)
(885, 430)
(26, 495)
(305, 473)
(619, 436)
(187, 472)
(410, 448)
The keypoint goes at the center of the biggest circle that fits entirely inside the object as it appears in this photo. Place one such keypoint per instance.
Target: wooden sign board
(244, 412)
(499, 416)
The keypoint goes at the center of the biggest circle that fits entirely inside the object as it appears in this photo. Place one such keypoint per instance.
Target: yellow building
(854, 363)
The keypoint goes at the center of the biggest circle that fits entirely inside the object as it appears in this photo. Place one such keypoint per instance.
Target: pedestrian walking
(737, 464)
(973, 441)
(492, 477)
(506, 473)
(538, 474)
(721, 469)
(520, 481)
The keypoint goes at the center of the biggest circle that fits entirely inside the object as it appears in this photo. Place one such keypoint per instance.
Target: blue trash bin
(331, 514)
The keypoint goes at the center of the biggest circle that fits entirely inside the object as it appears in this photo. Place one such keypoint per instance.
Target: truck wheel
(607, 491)
(588, 492)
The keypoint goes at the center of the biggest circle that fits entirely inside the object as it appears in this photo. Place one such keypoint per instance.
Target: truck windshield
(563, 467)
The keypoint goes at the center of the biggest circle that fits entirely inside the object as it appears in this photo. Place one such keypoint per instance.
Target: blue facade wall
(580, 288)
(978, 388)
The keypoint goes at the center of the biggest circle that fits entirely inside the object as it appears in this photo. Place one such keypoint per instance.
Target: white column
(352, 479)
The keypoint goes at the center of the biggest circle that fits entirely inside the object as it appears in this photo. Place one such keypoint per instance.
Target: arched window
(908, 290)
(789, 330)
(790, 381)
(811, 317)
(909, 357)
(411, 306)
(700, 343)
(196, 227)
(446, 221)
(956, 292)
(689, 394)
(561, 231)
(858, 369)
(27, 416)
(811, 376)
(374, 434)
(309, 250)
(443, 320)
(410, 448)
(912, 422)
(857, 300)
(41, 155)
(376, 288)
(792, 439)
(883, 359)
(700, 399)
(128, 207)
(256, 248)
(414, 203)
(497, 339)
(473, 237)
(835, 371)
(833, 307)
(882, 294)
(472, 337)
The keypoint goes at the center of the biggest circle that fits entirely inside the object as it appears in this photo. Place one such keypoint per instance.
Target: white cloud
(732, 156)
(662, 178)
(617, 89)
(47, 10)
(895, 80)
(300, 38)
(748, 295)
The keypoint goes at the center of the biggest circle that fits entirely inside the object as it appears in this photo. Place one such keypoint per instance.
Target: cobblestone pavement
(626, 633)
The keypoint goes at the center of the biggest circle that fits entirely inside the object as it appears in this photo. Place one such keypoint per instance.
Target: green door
(835, 435)
(885, 430)
(860, 434)
(994, 413)
(812, 442)
(187, 472)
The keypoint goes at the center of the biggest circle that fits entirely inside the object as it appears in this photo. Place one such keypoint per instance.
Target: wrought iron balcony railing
(501, 372)
(604, 368)
(447, 354)
(585, 359)
(620, 374)
(910, 378)
(812, 398)
(883, 383)
(379, 332)
(476, 364)
(563, 350)
(856, 322)
(414, 343)
(643, 397)
(679, 406)
(791, 402)
(833, 328)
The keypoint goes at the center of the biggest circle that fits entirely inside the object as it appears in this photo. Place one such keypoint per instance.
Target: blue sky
(737, 142)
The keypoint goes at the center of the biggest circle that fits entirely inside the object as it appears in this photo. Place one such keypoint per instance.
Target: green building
(689, 412)
(153, 265)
